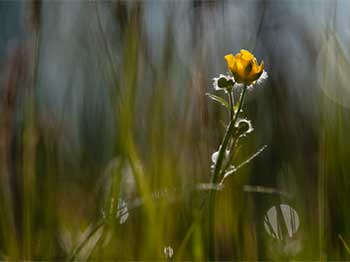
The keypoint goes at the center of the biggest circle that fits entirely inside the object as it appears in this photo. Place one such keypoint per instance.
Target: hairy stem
(217, 168)
(227, 137)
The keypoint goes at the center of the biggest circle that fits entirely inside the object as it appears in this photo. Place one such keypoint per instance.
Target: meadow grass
(129, 174)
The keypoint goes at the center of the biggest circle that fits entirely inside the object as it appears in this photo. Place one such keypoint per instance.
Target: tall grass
(106, 134)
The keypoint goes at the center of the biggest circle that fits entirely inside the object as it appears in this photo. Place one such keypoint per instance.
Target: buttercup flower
(244, 126)
(223, 82)
(244, 67)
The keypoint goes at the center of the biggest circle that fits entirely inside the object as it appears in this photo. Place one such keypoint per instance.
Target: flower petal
(230, 59)
(246, 55)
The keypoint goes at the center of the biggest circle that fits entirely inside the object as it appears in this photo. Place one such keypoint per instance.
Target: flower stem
(230, 99)
(217, 169)
(227, 136)
(231, 155)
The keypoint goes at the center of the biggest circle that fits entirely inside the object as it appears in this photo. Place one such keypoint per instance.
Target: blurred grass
(145, 132)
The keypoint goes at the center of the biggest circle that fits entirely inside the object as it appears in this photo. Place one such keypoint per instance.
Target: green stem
(230, 99)
(217, 168)
(230, 158)
(226, 139)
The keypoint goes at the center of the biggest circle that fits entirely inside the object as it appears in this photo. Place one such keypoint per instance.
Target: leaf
(219, 100)
(233, 170)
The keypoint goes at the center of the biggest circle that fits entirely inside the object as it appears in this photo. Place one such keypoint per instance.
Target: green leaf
(218, 99)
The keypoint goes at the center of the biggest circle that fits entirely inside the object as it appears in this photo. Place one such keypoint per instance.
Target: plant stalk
(217, 168)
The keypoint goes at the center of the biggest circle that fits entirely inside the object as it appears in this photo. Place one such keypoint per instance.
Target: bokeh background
(106, 133)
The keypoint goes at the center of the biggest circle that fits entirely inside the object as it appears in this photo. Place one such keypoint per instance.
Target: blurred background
(106, 133)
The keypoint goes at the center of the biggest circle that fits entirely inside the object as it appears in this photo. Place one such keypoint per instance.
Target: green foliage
(123, 170)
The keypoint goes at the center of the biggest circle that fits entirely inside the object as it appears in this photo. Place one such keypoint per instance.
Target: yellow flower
(244, 67)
